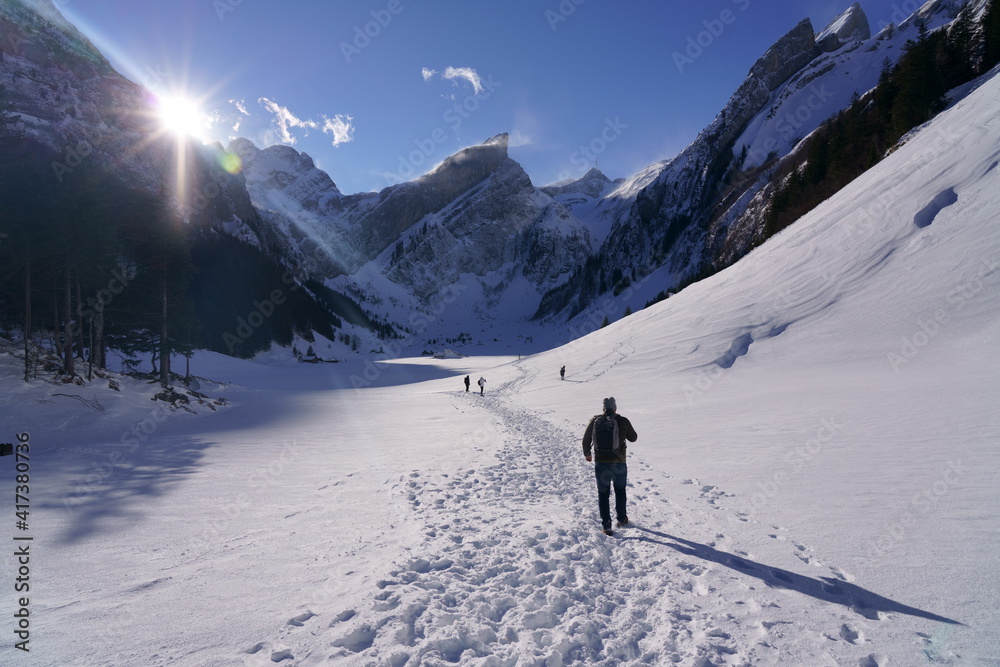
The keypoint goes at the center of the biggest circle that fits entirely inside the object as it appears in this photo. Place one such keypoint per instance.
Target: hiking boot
(608, 531)
(623, 521)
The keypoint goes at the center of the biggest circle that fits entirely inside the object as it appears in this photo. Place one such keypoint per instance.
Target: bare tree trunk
(68, 365)
(27, 319)
(98, 350)
(55, 319)
(80, 342)
(90, 360)
(164, 341)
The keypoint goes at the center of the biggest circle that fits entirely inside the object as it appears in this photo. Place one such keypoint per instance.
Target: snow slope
(814, 481)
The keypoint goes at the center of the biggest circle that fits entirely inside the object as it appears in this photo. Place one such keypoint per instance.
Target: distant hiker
(467, 383)
(605, 436)
(562, 373)
(482, 385)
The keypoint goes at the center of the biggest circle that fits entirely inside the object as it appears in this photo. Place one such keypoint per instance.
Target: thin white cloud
(241, 106)
(518, 138)
(467, 73)
(527, 127)
(428, 73)
(286, 120)
(340, 127)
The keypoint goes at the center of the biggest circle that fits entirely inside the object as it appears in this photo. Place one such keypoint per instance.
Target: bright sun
(180, 116)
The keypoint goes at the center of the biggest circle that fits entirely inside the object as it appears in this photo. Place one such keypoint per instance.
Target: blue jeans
(609, 474)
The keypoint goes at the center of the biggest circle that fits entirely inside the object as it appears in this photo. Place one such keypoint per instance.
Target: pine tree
(991, 36)
(921, 83)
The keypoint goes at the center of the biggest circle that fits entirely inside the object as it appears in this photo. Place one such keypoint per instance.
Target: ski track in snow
(513, 569)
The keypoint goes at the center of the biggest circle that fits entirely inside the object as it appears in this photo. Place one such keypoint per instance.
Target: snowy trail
(510, 568)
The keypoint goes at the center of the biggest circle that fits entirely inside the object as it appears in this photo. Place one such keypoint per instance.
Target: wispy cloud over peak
(340, 127)
(285, 120)
(467, 73)
(454, 74)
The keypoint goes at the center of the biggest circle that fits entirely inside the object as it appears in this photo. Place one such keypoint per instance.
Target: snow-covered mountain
(474, 224)
(66, 101)
(677, 217)
(68, 114)
(474, 232)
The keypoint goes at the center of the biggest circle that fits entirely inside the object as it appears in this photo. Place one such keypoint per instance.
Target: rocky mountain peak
(36, 31)
(851, 26)
(590, 185)
(787, 56)
(280, 174)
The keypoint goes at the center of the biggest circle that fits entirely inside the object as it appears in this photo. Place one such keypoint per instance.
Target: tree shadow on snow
(109, 485)
(827, 589)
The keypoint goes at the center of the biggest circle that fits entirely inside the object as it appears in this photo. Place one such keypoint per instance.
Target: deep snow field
(815, 480)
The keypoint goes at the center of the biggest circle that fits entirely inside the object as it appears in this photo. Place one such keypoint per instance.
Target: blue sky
(379, 91)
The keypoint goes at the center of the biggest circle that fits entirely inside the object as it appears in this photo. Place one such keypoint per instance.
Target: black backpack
(605, 438)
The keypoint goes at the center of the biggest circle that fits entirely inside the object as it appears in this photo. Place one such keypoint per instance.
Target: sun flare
(180, 116)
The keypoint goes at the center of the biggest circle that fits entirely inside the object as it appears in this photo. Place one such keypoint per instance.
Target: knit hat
(609, 404)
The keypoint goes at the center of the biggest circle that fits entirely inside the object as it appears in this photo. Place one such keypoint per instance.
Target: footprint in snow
(849, 634)
(301, 619)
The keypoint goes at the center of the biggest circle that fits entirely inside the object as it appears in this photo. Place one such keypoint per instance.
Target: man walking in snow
(604, 440)
(467, 384)
(562, 373)
(482, 385)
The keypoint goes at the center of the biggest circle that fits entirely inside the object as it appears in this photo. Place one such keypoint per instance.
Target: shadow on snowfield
(110, 485)
(827, 589)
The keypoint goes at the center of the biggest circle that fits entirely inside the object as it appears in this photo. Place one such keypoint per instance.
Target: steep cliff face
(824, 87)
(400, 207)
(475, 219)
(704, 207)
(280, 174)
(66, 99)
(851, 26)
(66, 107)
(787, 56)
(501, 223)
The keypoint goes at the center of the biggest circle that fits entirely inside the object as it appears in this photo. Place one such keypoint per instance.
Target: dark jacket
(625, 432)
